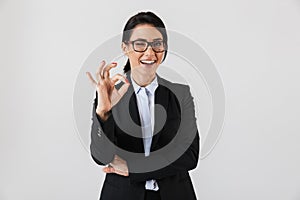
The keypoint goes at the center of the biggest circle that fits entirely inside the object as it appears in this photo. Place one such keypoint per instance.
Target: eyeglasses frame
(148, 44)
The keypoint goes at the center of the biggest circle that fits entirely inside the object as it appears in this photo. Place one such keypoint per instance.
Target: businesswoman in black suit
(146, 115)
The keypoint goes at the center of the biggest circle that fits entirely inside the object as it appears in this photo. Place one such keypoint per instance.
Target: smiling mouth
(148, 62)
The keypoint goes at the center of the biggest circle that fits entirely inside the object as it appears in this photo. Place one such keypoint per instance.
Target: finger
(118, 77)
(108, 170)
(123, 89)
(91, 78)
(107, 69)
(99, 74)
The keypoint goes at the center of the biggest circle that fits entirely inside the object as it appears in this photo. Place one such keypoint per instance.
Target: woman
(146, 115)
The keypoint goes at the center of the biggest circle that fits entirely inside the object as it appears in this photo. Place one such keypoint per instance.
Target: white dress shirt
(150, 184)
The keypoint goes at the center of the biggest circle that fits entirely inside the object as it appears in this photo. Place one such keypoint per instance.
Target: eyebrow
(146, 40)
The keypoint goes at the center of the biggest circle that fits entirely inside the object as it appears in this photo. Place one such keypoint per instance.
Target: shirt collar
(151, 87)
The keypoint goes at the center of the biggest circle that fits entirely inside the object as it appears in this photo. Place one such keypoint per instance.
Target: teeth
(147, 61)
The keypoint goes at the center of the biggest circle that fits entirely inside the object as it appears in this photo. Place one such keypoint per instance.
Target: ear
(124, 48)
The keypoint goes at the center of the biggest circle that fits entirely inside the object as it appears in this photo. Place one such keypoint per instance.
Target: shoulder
(176, 88)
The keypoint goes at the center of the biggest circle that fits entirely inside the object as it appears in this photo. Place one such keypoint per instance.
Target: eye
(157, 43)
(140, 43)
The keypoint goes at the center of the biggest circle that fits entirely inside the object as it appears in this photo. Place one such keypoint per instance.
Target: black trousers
(152, 195)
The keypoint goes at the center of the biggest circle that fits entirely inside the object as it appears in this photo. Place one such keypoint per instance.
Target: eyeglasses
(158, 46)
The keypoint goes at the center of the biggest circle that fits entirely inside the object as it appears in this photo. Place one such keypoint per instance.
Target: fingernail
(114, 63)
(127, 81)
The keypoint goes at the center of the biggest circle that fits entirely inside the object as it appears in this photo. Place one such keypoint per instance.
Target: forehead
(145, 31)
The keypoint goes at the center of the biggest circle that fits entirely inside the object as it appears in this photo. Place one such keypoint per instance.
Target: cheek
(134, 57)
(131, 55)
(160, 57)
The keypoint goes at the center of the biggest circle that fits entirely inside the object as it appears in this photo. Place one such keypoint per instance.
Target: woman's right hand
(108, 95)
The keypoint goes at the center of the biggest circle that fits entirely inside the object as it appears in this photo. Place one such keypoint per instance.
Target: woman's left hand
(118, 166)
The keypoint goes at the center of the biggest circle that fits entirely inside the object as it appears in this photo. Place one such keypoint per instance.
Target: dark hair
(144, 18)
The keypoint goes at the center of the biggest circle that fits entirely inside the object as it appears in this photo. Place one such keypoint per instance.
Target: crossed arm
(103, 148)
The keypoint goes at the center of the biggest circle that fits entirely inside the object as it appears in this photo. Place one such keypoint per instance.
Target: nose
(149, 51)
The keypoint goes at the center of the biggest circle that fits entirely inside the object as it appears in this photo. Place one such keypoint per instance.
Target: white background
(255, 45)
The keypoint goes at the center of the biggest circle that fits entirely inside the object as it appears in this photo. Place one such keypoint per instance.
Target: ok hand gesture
(108, 95)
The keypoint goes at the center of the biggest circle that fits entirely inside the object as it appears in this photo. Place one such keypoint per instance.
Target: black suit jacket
(175, 144)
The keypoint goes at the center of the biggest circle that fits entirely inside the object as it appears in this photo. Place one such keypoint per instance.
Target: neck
(142, 79)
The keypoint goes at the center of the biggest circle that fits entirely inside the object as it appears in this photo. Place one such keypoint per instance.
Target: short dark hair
(144, 18)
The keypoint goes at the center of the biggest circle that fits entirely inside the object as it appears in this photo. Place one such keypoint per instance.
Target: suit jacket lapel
(160, 111)
(128, 103)
(133, 108)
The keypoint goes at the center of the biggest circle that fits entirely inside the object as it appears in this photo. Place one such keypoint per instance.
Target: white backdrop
(254, 44)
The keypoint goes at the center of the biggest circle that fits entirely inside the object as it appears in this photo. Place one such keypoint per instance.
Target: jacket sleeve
(102, 137)
(188, 137)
